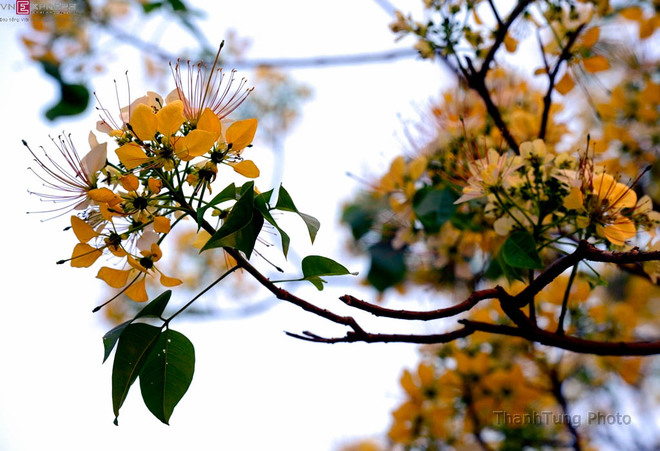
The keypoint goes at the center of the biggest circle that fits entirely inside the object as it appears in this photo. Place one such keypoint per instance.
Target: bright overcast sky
(254, 388)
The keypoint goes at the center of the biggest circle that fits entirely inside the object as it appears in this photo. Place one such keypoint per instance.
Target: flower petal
(143, 122)
(241, 133)
(161, 224)
(84, 232)
(617, 232)
(209, 122)
(565, 85)
(131, 155)
(138, 291)
(84, 255)
(116, 278)
(95, 159)
(170, 118)
(169, 281)
(129, 182)
(596, 63)
(246, 168)
(194, 144)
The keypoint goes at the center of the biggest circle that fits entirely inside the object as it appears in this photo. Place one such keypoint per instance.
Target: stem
(564, 304)
(559, 396)
(532, 305)
(200, 294)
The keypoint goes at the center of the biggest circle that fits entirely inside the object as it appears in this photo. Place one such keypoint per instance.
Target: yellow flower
(487, 173)
(610, 198)
(84, 254)
(135, 276)
(160, 128)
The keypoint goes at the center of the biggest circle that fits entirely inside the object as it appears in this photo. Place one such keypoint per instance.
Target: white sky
(254, 388)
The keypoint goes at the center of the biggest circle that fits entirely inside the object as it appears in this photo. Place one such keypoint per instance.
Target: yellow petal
(84, 232)
(136, 264)
(595, 63)
(170, 118)
(129, 182)
(408, 384)
(169, 281)
(84, 255)
(155, 185)
(648, 27)
(194, 144)
(143, 122)
(131, 155)
(156, 253)
(417, 167)
(590, 37)
(161, 224)
(426, 374)
(116, 278)
(574, 200)
(477, 19)
(510, 43)
(109, 211)
(209, 122)
(246, 168)
(565, 84)
(101, 195)
(617, 194)
(138, 291)
(632, 13)
(241, 133)
(618, 232)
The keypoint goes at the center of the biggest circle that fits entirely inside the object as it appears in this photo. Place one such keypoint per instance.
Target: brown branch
(500, 34)
(478, 83)
(467, 304)
(353, 336)
(569, 343)
(552, 75)
(476, 80)
(556, 390)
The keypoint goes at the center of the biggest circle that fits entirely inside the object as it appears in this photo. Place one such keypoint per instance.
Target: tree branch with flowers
(499, 205)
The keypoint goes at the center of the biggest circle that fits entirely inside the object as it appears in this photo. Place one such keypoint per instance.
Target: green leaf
(135, 344)
(388, 266)
(151, 6)
(242, 226)
(74, 98)
(177, 5)
(229, 193)
(519, 251)
(507, 270)
(285, 203)
(156, 307)
(153, 309)
(317, 282)
(359, 219)
(111, 337)
(315, 265)
(466, 221)
(261, 204)
(433, 207)
(167, 373)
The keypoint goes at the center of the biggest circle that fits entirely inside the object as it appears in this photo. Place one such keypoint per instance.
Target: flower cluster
(169, 151)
